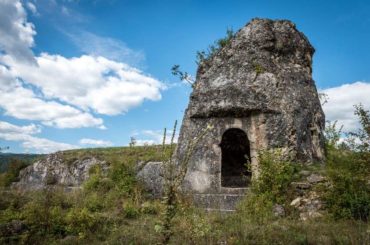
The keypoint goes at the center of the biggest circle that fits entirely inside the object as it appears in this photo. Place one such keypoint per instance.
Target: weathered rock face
(151, 176)
(52, 170)
(258, 93)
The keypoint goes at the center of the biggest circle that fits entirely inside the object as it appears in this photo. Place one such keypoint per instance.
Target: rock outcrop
(258, 93)
(54, 170)
(150, 174)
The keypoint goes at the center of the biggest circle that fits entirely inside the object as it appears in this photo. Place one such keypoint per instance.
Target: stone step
(222, 202)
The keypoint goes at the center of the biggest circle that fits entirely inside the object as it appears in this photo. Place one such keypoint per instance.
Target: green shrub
(80, 221)
(151, 207)
(349, 195)
(93, 183)
(275, 175)
(11, 175)
(97, 181)
(195, 225)
(123, 176)
(271, 186)
(44, 214)
(130, 210)
(348, 169)
(94, 202)
(256, 208)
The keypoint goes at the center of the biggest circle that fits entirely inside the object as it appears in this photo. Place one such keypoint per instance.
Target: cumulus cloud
(95, 142)
(65, 92)
(15, 32)
(25, 134)
(88, 82)
(22, 103)
(341, 100)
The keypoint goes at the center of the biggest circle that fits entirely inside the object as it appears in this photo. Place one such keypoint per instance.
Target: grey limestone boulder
(151, 176)
(53, 170)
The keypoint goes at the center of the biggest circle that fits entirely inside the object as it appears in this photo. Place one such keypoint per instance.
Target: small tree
(184, 76)
(361, 137)
(348, 166)
(132, 142)
(174, 174)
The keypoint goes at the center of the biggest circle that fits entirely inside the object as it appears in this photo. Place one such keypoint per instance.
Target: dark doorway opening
(235, 170)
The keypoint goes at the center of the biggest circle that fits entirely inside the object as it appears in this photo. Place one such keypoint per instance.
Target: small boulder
(304, 173)
(301, 185)
(278, 210)
(296, 202)
(151, 175)
(315, 178)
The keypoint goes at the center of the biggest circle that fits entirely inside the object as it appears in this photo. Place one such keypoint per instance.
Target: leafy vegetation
(348, 167)
(275, 176)
(7, 158)
(113, 208)
(13, 169)
(183, 75)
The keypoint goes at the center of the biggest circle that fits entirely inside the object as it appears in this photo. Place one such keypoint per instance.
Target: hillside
(6, 158)
(113, 208)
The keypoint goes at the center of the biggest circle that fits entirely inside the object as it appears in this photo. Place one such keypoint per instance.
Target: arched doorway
(235, 148)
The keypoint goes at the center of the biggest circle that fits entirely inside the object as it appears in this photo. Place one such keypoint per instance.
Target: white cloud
(22, 103)
(146, 142)
(32, 8)
(110, 48)
(64, 92)
(95, 142)
(151, 137)
(25, 134)
(18, 130)
(341, 101)
(88, 82)
(15, 32)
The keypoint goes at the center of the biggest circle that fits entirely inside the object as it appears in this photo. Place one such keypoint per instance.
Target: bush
(275, 176)
(256, 208)
(349, 195)
(150, 207)
(130, 210)
(348, 168)
(11, 175)
(123, 176)
(272, 186)
(80, 221)
(94, 202)
(195, 225)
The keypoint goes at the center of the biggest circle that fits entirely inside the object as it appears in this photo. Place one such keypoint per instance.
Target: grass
(115, 209)
(111, 154)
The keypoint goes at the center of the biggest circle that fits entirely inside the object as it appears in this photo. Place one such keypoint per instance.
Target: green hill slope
(113, 208)
(6, 158)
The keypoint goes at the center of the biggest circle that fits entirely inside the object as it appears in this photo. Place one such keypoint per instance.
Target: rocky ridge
(54, 170)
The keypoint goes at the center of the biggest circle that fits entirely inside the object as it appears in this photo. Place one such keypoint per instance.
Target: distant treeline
(6, 158)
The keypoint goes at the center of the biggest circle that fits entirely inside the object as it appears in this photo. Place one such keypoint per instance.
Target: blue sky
(77, 74)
